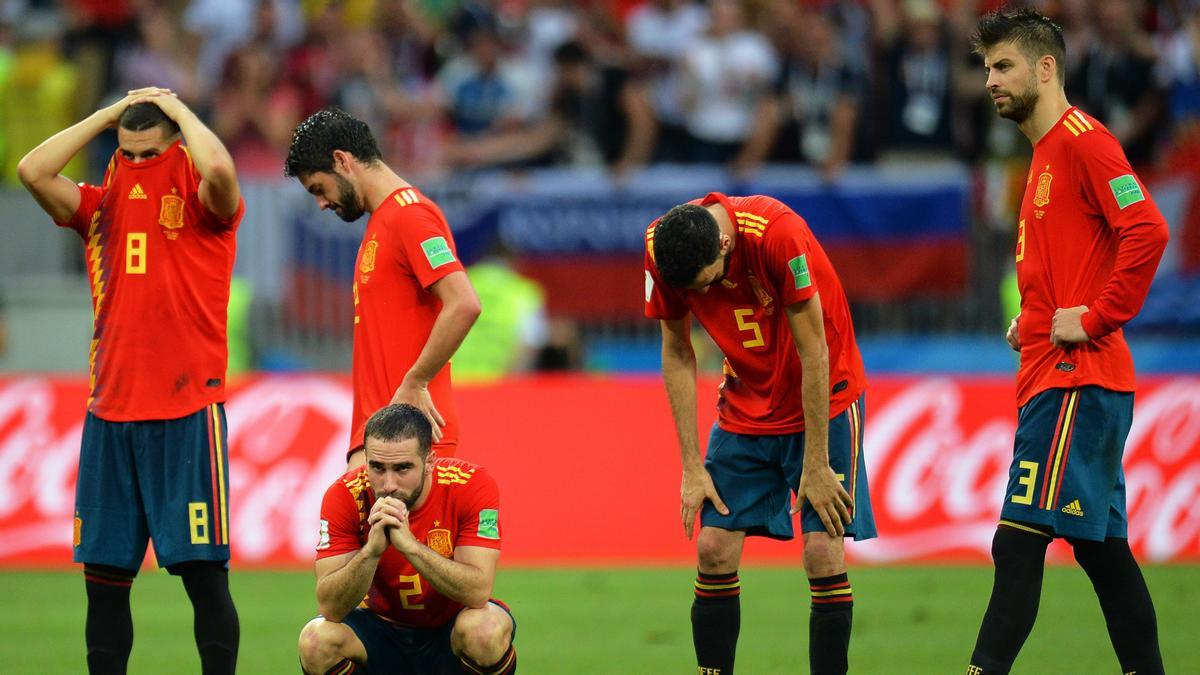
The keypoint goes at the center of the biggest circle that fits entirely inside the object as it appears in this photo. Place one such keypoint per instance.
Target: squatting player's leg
(482, 640)
(716, 609)
(326, 644)
(832, 613)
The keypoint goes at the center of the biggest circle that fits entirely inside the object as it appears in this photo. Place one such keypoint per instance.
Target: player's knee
(321, 645)
(715, 555)
(480, 634)
(824, 555)
(1100, 554)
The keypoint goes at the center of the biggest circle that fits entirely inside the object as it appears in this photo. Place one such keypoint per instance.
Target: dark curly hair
(686, 240)
(324, 131)
(146, 115)
(1032, 33)
(400, 422)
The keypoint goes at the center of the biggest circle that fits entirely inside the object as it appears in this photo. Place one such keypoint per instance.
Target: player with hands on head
(790, 410)
(159, 238)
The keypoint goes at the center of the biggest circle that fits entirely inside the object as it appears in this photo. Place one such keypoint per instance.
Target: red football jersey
(159, 263)
(1089, 234)
(406, 248)
(776, 262)
(462, 509)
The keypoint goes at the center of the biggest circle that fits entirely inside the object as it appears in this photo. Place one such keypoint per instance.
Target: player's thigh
(747, 473)
(484, 633)
(1066, 470)
(848, 464)
(183, 477)
(110, 522)
(324, 643)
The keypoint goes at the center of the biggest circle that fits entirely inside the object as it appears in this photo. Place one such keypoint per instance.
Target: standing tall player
(159, 234)
(790, 409)
(419, 538)
(413, 303)
(1089, 240)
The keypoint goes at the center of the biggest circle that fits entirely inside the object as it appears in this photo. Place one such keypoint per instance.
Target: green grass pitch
(628, 621)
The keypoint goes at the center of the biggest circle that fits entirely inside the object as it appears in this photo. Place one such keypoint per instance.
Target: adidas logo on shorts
(1073, 509)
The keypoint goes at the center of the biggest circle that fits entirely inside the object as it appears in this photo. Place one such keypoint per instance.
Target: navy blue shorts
(160, 480)
(408, 651)
(1066, 471)
(756, 477)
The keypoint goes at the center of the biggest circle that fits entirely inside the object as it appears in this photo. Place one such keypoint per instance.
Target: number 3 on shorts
(1028, 480)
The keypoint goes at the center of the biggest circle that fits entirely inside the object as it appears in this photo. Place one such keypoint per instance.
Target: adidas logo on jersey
(137, 192)
(1073, 509)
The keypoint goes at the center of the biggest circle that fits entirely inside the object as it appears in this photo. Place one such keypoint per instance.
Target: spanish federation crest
(439, 540)
(1042, 196)
(368, 257)
(170, 215)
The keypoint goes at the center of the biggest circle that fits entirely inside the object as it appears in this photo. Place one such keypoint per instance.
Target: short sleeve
(426, 244)
(199, 213)
(786, 258)
(341, 523)
(662, 302)
(90, 197)
(479, 512)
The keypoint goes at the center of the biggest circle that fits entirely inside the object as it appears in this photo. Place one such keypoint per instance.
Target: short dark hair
(400, 422)
(686, 240)
(326, 130)
(146, 115)
(1035, 35)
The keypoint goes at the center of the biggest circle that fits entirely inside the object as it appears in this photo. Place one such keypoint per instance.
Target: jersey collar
(170, 152)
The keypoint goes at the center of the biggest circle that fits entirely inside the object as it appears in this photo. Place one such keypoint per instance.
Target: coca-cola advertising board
(588, 467)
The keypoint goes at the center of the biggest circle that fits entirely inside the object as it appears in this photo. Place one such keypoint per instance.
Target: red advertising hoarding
(589, 472)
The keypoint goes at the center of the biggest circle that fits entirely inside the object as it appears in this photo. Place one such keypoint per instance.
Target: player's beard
(346, 206)
(1020, 105)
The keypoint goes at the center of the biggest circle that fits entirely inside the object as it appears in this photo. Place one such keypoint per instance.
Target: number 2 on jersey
(744, 325)
(406, 593)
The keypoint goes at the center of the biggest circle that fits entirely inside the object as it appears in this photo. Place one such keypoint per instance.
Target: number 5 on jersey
(743, 325)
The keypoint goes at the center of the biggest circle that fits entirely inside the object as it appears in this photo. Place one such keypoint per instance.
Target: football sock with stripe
(109, 628)
(1020, 559)
(346, 667)
(1125, 601)
(829, 624)
(505, 666)
(215, 619)
(716, 621)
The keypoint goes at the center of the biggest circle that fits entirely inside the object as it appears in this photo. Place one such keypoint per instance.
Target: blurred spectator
(157, 58)
(658, 32)
(821, 94)
(312, 66)
(39, 97)
(225, 25)
(482, 89)
(1179, 74)
(1115, 80)
(725, 79)
(254, 112)
(598, 115)
(97, 29)
(509, 335)
(916, 66)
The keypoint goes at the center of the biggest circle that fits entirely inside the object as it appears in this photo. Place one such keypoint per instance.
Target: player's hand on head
(827, 497)
(165, 99)
(1013, 336)
(418, 396)
(696, 488)
(1066, 328)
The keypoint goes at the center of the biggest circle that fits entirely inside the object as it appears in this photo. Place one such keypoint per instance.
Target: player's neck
(724, 224)
(1045, 115)
(379, 182)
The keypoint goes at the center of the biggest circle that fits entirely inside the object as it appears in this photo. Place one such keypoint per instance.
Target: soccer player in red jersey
(418, 537)
(159, 235)
(413, 303)
(790, 408)
(1089, 239)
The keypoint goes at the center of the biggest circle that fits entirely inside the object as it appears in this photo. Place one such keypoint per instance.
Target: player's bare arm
(467, 578)
(39, 170)
(818, 483)
(343, 581)
(460, 308)
(219, 190)
(679, 377)
(1066, 327)
(1013, 336)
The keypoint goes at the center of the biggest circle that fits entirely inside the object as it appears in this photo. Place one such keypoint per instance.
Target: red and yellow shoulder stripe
(751, 223)
(453, 475)
(406, 197)
(1077, 123)
(650, 240)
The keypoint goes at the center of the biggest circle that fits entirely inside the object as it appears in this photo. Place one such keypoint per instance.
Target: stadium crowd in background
(453, 85)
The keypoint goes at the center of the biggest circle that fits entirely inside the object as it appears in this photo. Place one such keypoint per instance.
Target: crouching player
(418, 537)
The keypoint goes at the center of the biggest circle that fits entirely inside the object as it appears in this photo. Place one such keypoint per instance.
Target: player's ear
(1047, 68)
(726, 243)
(341, 161)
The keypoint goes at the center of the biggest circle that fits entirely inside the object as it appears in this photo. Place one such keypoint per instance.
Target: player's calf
(482, 640)
(328, 647)
(109, 630)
